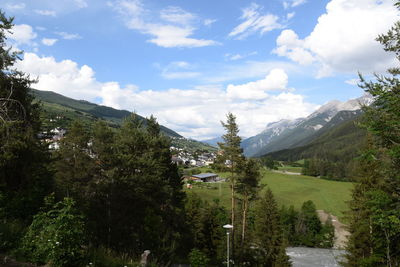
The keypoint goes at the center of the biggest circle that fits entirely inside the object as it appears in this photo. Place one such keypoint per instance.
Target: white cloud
(69, 36)
(50, 13)
(175, 31)
(15, 6)
(293, 3)
(246, 70)
(81, 3)
(344, 38)
(177, 15)
(276, 80)
(290, 15)
(298, 2)
(233, 57)
(254, 22)
(49, 41)
(22, 34)
(64, 77)
(353, 81)
(174, 36)
(195, 112)
(209, 22)
(289, 45)
(179, 70)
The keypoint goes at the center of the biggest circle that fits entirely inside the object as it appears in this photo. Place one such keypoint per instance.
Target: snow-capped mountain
(274, 129)
(291, 133)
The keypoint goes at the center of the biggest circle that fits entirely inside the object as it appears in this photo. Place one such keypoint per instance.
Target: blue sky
(191, 62)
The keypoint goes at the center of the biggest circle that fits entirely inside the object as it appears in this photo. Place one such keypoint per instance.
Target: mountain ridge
(300, 131)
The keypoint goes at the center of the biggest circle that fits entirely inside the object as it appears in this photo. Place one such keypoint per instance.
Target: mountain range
(286, 134)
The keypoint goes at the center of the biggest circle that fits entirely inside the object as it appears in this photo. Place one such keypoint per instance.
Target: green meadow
(327, 195)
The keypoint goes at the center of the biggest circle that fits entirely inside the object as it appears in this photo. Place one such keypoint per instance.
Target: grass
(330, 196)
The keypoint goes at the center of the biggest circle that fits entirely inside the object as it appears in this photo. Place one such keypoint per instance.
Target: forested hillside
(70, 109)
(333, 151)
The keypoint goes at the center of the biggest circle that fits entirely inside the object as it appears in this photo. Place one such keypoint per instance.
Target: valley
(330, 196)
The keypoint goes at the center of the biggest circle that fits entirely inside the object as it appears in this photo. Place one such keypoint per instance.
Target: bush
(198, 258)
(56, 235)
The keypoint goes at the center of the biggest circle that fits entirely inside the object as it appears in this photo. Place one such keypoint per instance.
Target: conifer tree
(25, 176)
(376, 200)
(248, 186)
(232, 155)
(269, 233)
(75, 167)
(308, 225)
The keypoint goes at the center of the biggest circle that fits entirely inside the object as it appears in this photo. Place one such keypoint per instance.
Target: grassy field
(330, 196)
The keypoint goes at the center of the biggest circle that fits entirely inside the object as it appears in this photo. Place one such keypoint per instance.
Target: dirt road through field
(341, 233)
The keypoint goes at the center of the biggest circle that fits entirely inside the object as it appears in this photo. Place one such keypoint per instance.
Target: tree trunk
(245, 202)
(233, 216)
(388, 258)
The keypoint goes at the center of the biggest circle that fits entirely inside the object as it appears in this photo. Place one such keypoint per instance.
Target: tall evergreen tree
(232, 155)
(25, 176)
(248, 186)
(75, 166)
(308, 225)
(377, 197)
(269, 233)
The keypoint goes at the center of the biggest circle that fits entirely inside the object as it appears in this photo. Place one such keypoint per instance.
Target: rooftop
(204, 175)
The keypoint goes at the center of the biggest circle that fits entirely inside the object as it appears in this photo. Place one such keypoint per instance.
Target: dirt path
(286, 172)
(341, 233)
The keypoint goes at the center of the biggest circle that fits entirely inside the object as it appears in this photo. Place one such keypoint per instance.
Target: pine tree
(308, 225)
(248, 186)
(268, 232)
(232, 155)
(75, 166)
(376, 200)
(25, 176)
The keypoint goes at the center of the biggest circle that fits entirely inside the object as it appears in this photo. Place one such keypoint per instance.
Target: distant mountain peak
(286, 133)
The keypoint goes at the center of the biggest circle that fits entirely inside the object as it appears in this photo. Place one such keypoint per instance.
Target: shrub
(56, 235)
(198, 258)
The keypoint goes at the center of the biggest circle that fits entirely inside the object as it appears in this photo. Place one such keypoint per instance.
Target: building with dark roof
(206, 177)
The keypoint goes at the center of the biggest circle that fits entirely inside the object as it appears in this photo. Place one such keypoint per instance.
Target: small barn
(206, 177)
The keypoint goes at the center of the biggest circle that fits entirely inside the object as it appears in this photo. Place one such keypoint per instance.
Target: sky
(189, 63)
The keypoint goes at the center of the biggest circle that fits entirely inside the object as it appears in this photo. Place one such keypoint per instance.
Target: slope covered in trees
(332, 153)
(58, 105)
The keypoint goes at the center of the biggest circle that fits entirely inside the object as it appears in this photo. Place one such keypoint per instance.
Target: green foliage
(268, 162)
(75, 168)
(304, 228)
(205, 223)
(269, 239)
(308, 225)
(198, 259)
(71, 110)
(375, 215)
(25, 177)
(331, 196)
(232, 156)
(192, 171)
(330, 155)
(56, 235)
